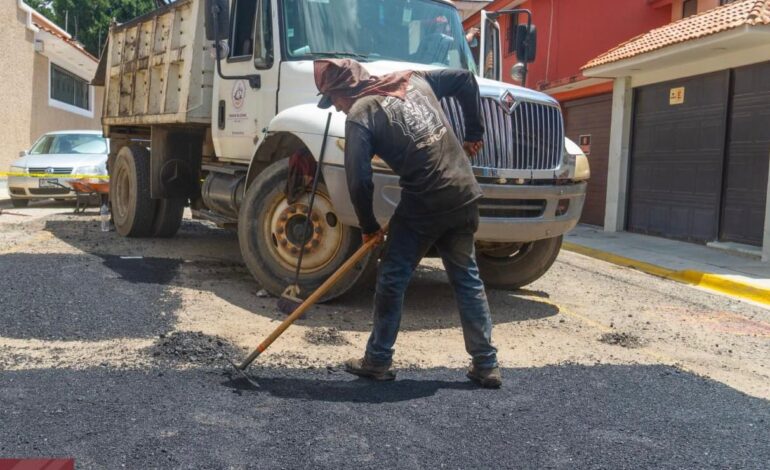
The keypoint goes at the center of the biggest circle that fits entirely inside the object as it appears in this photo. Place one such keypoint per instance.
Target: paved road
(549, 417)
(111, 351)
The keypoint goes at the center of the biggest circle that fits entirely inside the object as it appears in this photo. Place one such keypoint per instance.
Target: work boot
(487, 377)
(363, 368)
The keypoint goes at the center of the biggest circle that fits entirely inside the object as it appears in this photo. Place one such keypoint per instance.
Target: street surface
(112, 351)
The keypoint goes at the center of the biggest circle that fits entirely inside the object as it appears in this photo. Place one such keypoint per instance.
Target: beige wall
(47, 119)
(24, 75)
(16, 68)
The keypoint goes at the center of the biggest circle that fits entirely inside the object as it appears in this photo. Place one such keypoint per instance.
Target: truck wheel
(133, 210)
(168, 217)
(270, 234)
(514, 266)
(19, 202)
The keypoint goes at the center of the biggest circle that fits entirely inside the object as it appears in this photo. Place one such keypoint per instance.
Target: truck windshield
(420, 31)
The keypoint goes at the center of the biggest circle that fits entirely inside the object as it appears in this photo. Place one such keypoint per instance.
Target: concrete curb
(714, 282)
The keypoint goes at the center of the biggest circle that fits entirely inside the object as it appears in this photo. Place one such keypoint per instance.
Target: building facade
(569, 34)
(45, 77)
(690, 132)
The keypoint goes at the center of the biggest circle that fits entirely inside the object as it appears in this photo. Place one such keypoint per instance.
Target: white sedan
(56, 158)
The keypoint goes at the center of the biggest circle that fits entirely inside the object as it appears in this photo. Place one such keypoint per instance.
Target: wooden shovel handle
(313, 298)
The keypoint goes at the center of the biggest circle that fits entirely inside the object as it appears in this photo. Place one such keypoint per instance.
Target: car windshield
(420, 31)
(61, 144)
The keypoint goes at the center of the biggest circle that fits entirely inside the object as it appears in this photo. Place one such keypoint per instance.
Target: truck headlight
(15, 170)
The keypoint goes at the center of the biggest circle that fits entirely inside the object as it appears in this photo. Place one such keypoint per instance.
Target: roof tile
(717, 20)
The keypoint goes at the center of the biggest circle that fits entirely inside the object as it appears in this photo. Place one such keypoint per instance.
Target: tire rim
(507, 253)
(122, 197)
(284, 223)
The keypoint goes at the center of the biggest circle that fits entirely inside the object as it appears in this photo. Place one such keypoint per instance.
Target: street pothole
(193, 348)
(624, 340)
(326, 337)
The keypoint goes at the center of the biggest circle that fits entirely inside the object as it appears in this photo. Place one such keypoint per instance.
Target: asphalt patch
(189, 347)
(559, 417)
(326, 337)
(142, 269)
(624, 340)
(75, 297)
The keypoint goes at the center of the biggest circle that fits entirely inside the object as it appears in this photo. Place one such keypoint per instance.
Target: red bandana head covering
(347, 78)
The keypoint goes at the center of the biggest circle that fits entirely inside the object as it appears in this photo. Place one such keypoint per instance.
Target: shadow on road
(206, 258)
(358, 390)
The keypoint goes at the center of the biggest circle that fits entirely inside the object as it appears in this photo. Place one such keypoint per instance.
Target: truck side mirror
(217, 20)
(526, 43)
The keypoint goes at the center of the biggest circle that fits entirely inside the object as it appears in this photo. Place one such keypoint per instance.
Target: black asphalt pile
(625, 340)
(326, 337)
(193, 348)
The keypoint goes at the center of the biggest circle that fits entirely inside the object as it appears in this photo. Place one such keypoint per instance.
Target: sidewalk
(737, 275)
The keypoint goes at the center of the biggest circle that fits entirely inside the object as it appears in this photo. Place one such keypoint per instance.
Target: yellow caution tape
(55, 175)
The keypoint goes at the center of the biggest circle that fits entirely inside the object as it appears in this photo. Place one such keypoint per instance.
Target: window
(242, 37)
(263, 48)
(689, 8)
(70, 89)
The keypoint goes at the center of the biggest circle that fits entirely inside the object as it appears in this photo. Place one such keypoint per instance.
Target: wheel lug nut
(315, 243)
(283, 218)
(280, 231)
(292, 210)
(314, 218)
(294, 250)
(317, 230)
(284, 242)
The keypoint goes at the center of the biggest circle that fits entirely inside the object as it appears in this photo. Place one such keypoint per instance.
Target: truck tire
(514, 269)
(19, 202)
(168, 217)
(269, 233)
(133, 210)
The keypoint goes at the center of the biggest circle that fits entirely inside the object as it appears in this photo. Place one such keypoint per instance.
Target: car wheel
(270, 235)
(133, 210)
(513, 266)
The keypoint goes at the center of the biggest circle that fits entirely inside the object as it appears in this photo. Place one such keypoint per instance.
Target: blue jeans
(408, 241)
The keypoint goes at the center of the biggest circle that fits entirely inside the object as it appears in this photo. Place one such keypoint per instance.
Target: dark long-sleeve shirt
(414, 138)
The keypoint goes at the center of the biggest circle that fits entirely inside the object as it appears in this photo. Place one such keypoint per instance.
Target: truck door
(489, 56)
(243, 108)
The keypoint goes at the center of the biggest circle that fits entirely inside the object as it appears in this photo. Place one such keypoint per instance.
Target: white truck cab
(207, 99)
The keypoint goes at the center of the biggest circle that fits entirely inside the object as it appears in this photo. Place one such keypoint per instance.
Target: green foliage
(89, 20)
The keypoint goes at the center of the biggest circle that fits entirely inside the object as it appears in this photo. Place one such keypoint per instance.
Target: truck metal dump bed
(158, 69)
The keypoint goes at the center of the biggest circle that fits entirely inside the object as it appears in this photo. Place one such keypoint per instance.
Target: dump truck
(206, 100)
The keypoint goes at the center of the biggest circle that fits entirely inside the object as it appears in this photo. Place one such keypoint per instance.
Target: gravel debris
(192, 348)
(326, 337)
(624, 340)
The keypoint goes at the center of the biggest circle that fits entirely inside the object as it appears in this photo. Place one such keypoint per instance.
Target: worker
(399, 118)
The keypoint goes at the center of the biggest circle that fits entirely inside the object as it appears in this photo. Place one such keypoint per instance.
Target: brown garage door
(677, 156)
(748, 151)
(591, 117)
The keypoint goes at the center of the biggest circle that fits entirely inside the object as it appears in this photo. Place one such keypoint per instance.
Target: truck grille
(55, 170)
(530, 138)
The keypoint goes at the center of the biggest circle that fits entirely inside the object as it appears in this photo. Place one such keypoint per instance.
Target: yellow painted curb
(713, 282)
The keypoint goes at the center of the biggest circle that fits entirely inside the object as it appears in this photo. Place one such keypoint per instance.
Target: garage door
(748, 151)
(590, 119)
(676, 157)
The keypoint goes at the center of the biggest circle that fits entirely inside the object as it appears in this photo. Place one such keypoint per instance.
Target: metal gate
(589, 120)
(677, 157)
(748, 152)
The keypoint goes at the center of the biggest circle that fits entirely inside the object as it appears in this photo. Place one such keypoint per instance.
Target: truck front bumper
(509, 212)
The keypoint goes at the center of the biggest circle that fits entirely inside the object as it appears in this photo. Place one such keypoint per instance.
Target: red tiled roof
(45, 24)
(717, 20)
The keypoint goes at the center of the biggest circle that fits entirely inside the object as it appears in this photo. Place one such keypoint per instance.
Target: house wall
(24, 75)
(570, 33)
(47, 118)
(17, 63)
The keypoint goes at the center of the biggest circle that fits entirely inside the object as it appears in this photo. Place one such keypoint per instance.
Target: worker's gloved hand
(379, 235)
(473, 148)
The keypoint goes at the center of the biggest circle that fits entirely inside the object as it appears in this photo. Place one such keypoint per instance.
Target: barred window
(69, 88)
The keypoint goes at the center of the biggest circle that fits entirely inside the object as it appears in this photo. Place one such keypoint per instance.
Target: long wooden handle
(312, 299)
